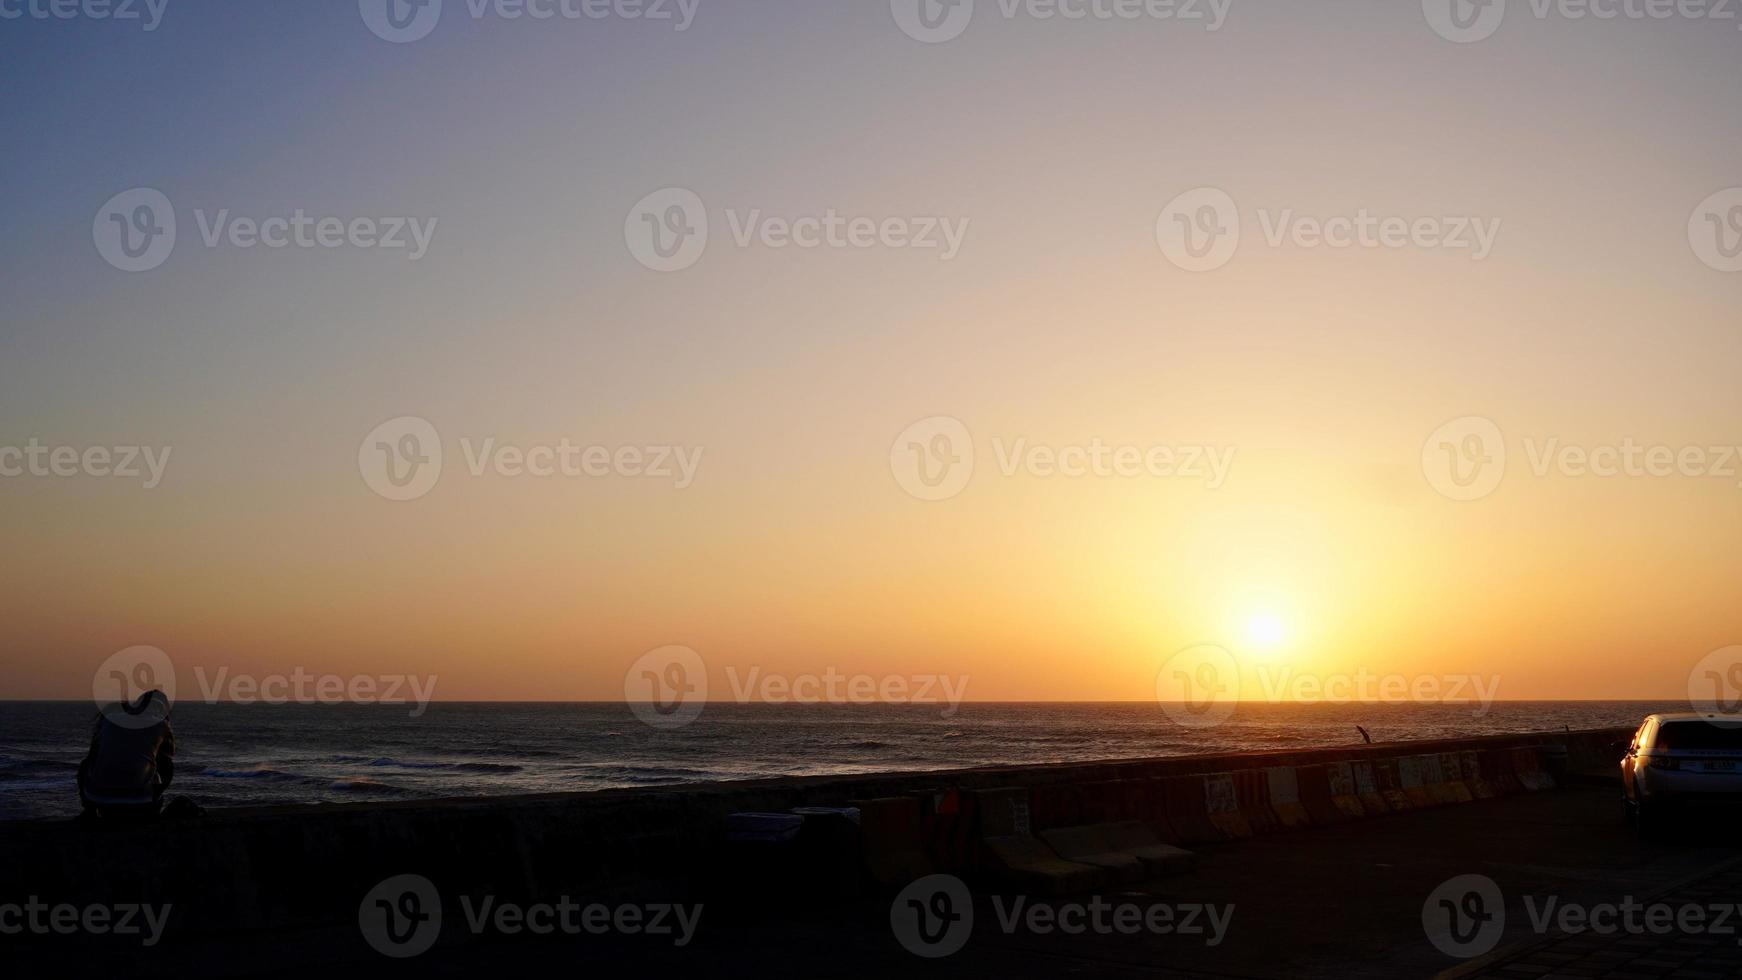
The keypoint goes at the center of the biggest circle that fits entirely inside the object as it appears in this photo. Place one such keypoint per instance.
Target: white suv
(1680, 759)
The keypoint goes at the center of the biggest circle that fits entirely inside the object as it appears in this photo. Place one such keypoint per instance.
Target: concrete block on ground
(1452, 777)
(1252, 792)
(1412, 770)
(1367, 789)
(1480, 788)
(894, 846)
(1028, 864)
(1223, 805)
(1091, 845)
(1390, 774)
(1285, 797)
(1182, 799)
(1134, 837)
(1003, 812)
(1315, 795)
(1342, 779)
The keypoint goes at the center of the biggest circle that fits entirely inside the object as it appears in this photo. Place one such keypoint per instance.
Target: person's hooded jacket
(132, 756)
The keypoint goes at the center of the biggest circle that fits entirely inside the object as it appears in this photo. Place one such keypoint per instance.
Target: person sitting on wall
(131, 760)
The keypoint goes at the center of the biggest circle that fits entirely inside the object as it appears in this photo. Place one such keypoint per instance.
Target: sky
(1540, 275)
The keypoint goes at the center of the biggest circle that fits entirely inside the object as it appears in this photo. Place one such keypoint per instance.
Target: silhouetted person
(131, 761)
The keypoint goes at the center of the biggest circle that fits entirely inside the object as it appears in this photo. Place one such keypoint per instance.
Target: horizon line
(852, 703)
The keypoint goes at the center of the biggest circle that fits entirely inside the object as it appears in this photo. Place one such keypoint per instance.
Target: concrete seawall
(240, 871)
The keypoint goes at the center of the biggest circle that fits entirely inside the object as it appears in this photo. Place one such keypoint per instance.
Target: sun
(1266, 632)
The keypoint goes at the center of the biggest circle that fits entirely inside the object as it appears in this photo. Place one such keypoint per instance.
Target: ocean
(232, 755)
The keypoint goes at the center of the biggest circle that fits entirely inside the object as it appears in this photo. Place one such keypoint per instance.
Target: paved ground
(1676, 952)
(1343, 902)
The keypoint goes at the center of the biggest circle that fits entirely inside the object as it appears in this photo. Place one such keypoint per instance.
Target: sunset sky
(1595, 321)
